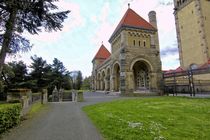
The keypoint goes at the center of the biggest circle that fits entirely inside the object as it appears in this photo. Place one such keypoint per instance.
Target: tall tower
(135, 53)
(192, 20)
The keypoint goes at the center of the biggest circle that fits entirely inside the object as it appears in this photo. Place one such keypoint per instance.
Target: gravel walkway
(62, 121)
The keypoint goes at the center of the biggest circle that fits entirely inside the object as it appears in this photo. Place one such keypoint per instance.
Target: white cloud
(105, 29)
(170, 62)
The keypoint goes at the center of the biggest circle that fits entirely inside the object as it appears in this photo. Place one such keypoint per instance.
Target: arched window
(144, 43)
(134, 42)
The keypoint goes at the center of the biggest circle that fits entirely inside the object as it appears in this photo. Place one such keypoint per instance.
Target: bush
(9, 116)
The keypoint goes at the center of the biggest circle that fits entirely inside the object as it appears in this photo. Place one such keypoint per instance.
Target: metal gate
(192, 81)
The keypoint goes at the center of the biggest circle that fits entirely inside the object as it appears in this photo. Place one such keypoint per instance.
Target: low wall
(26, 98)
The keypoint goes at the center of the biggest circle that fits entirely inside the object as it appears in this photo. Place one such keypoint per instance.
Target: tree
(59, 72)
(15, 74)
(40, 74)
(79, 80)
(17, 16)
(86, 84)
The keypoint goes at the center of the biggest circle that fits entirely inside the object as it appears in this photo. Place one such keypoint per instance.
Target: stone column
(101, 84)
(106, 83)
(112, 80)
(122, 59)
(130, 81)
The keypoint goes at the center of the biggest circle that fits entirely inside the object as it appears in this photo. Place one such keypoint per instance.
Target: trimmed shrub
(9, 116)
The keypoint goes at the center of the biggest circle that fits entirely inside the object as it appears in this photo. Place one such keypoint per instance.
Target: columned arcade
(133, 65)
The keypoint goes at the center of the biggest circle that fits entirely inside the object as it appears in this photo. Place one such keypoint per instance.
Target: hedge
(9, 116)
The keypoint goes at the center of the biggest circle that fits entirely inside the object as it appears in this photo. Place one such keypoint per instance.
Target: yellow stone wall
(137, 36)
(193, 20)
(115, 44)
(190, 37)
(206, 15)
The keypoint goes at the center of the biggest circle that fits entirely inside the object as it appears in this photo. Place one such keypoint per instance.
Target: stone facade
(193, 32)
(134, 62)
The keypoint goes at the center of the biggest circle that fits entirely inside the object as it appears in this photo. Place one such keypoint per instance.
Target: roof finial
(102, 43)
(128, 5)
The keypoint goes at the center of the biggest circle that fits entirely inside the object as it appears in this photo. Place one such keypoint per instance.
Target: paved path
(62, 121)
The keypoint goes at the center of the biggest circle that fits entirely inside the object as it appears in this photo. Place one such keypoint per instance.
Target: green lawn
(158, 118)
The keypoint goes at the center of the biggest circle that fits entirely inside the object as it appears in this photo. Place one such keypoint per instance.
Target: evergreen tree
(17, 16)
(15, 74)
(86, 84)
(40, 74)
(79, 80)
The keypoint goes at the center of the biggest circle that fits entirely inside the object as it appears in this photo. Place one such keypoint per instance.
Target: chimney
(152, 18)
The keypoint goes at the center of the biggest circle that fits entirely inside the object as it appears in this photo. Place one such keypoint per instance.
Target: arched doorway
(141, 72)
(116, 73)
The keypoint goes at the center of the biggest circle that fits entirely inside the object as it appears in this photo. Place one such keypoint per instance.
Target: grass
(35, 108)
(160, 118)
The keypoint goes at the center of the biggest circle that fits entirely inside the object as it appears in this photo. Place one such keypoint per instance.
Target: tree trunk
(7, 38)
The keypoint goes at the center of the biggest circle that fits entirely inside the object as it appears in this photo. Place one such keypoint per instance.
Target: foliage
(17, 44)
(14, 75)
(76, 79)
(40, 73)
(31, 16)
(59, 76)
(86, 84)
(9, 116)
(152, 118)
(79, 80)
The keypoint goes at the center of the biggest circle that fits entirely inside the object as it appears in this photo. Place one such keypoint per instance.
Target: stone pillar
(106, 84)
(55, 95)
(112, 80)
(130, 81)
(101, 84)
(44, 96)
(60, 94)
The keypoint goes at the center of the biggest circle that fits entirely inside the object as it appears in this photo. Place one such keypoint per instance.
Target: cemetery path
(61, 121)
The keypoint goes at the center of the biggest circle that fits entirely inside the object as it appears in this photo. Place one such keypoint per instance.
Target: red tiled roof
(179, 69)
(102, 53)
(132, 19)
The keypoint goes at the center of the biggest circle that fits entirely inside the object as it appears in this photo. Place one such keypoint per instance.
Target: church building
(133, 65)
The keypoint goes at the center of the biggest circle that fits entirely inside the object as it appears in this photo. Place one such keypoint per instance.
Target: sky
(92, 22)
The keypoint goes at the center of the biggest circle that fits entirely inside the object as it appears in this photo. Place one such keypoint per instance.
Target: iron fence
(192, 81)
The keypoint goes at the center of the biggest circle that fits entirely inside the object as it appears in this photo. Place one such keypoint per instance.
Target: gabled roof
(132, 19)
(179, 69)
(102, 53)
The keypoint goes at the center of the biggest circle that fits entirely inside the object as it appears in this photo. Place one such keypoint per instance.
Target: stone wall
(25, 97)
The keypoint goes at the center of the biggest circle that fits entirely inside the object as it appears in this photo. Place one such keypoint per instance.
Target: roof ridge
(133, 20)
(102, 53)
